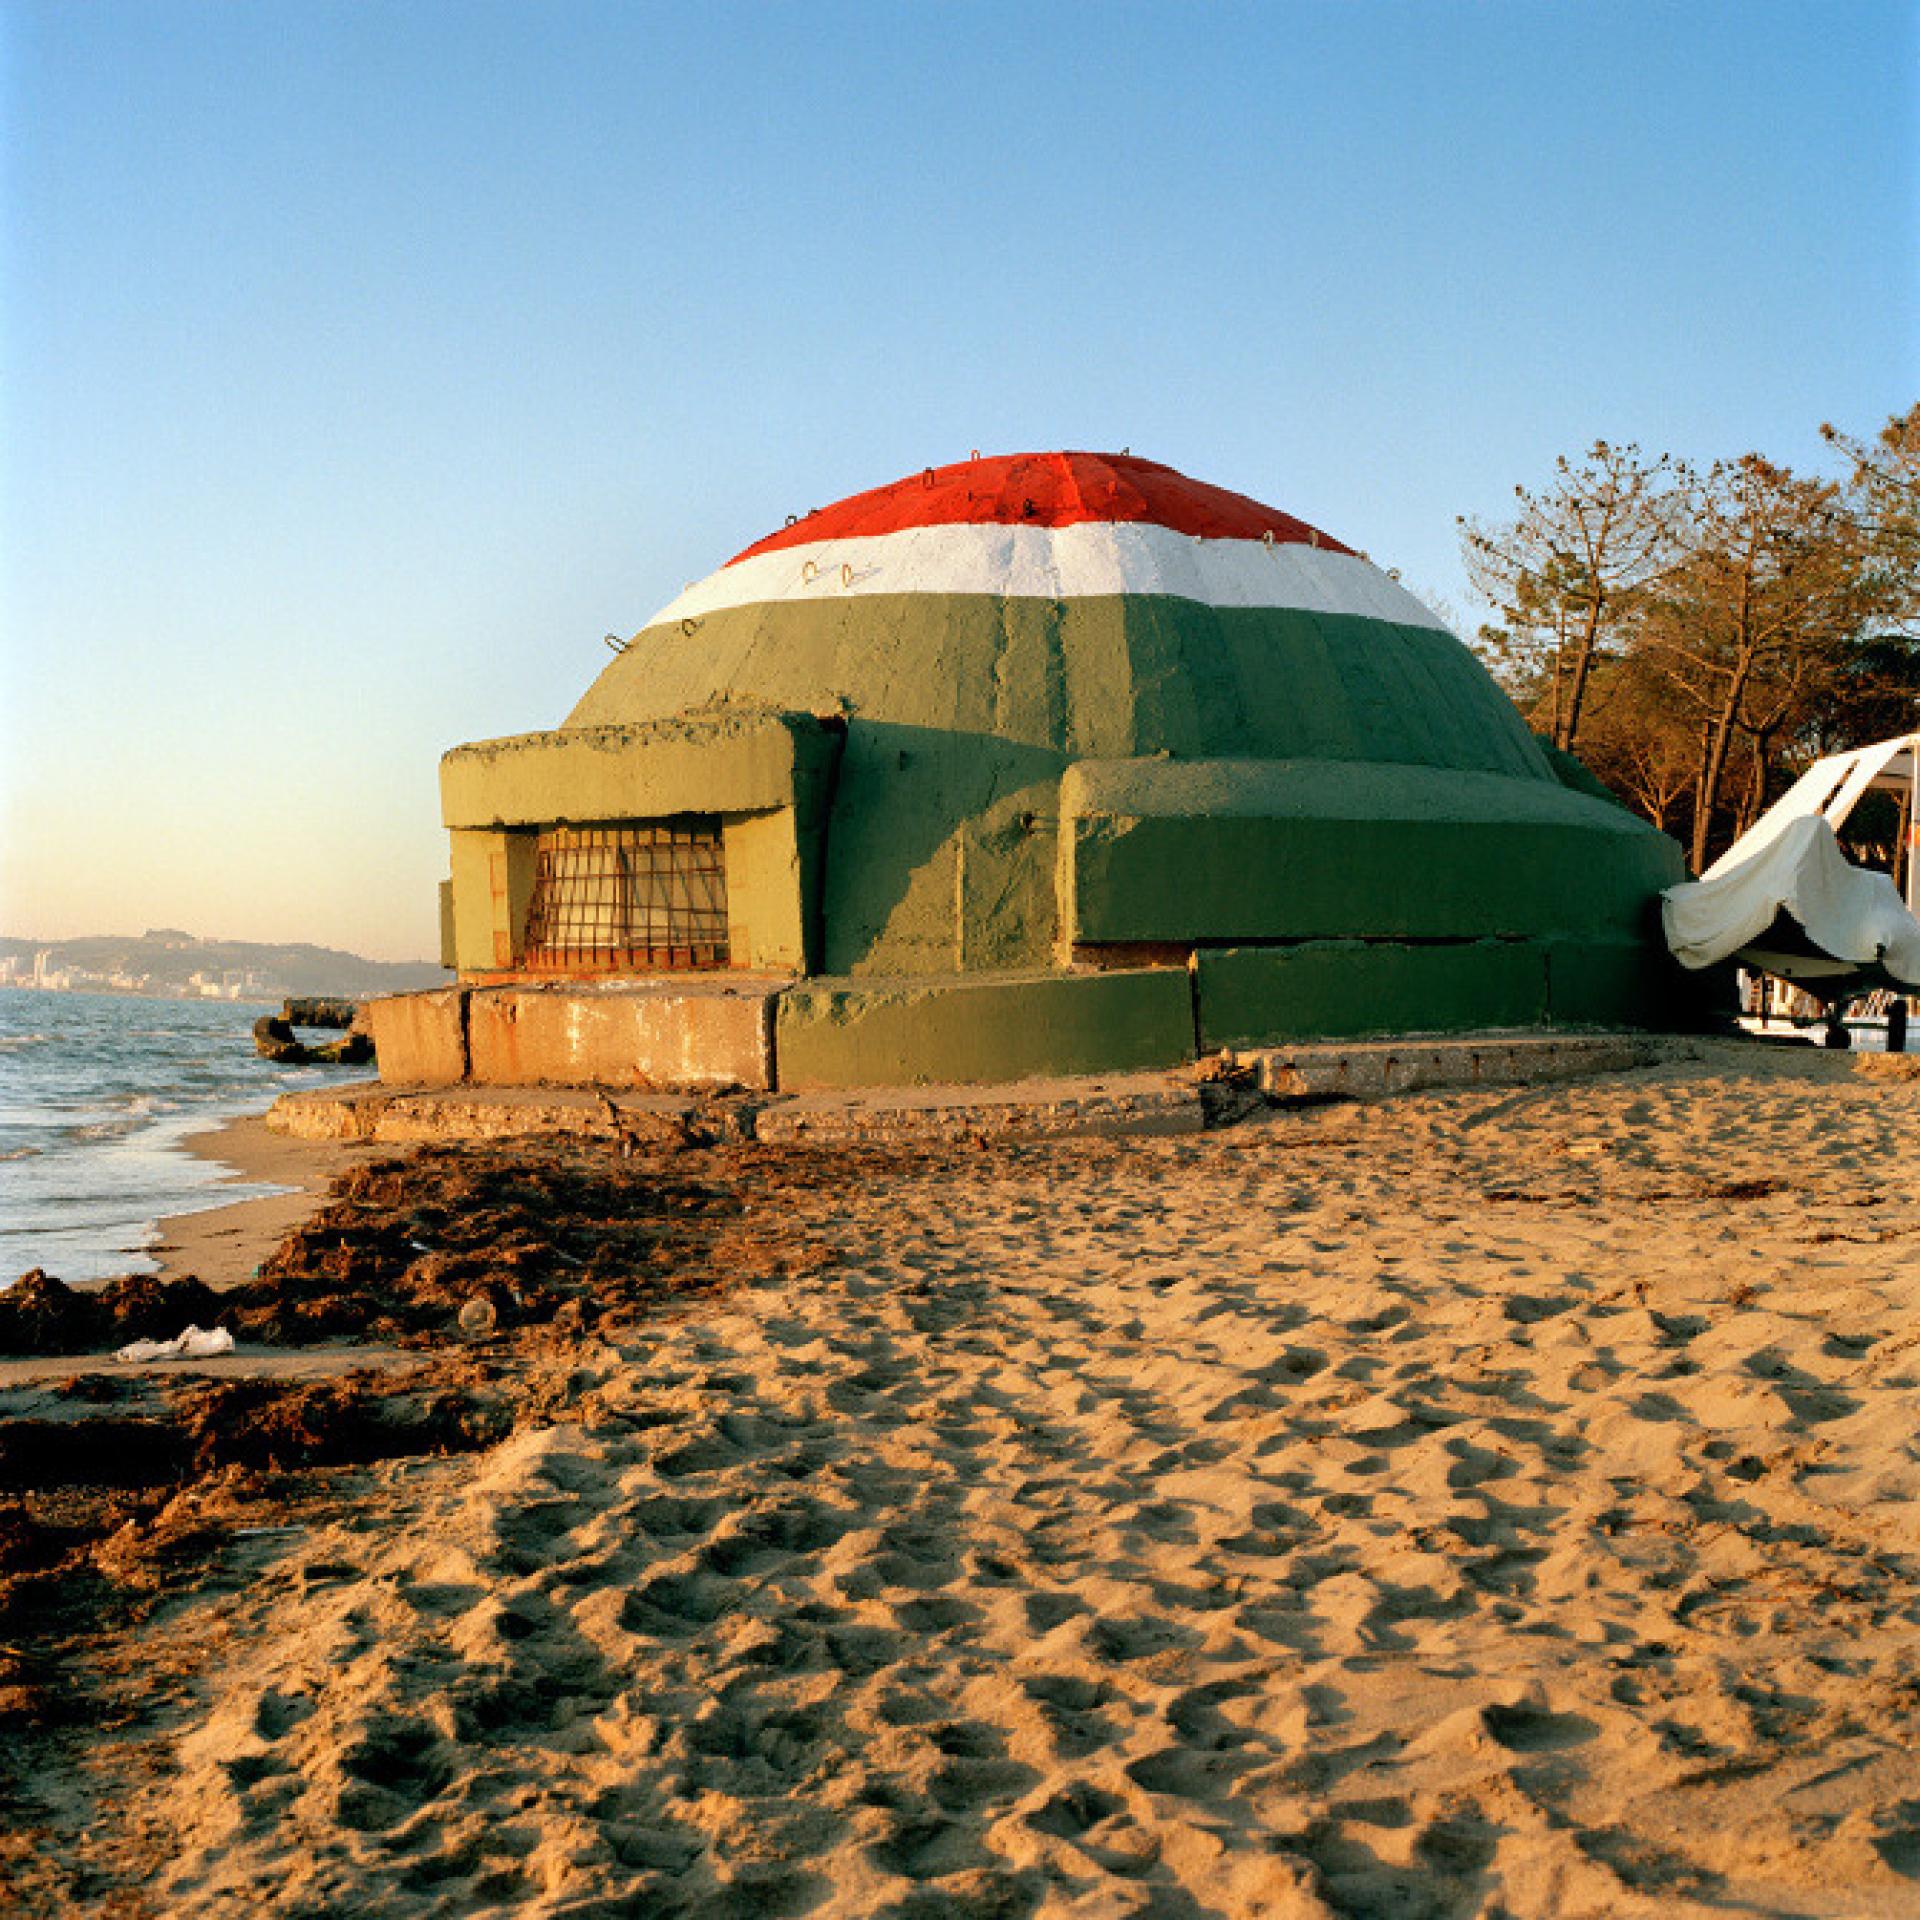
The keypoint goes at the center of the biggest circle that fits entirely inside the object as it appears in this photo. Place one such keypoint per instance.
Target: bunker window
(650, 896)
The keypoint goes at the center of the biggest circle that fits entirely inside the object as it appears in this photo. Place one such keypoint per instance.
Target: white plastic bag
(195, 1344)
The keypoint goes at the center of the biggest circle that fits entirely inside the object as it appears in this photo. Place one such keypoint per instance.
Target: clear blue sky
(364, 363)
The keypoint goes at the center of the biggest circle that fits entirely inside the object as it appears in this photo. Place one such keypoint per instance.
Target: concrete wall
(766, 910)
(420, 1039)
(1247, 850)
(1630, 983)
(847, 1034)
(492, 883)
(717, 1031)
(1015, 779)
(702, 1037)
(1339, 989)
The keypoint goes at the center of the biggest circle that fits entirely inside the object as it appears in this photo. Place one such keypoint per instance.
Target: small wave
(18, 1153)
(136, 1110)
(13, 1042)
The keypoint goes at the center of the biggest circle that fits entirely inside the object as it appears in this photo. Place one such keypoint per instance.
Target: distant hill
(166, 962)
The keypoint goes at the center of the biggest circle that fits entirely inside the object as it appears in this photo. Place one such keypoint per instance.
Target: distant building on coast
(164, 963)
(1056, 762)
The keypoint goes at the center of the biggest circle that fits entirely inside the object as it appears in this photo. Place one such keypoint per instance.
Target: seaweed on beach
(520, 1234)
(529, 1232)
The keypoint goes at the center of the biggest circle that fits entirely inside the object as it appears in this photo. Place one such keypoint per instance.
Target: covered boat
(1784, 899)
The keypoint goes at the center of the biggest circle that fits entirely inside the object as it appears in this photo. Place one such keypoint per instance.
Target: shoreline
(222, 1244)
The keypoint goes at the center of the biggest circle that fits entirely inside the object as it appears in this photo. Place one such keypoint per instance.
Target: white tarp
(1830, 789)
(1847, 911)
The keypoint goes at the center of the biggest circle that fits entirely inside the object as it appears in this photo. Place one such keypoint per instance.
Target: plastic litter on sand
(196, 1343)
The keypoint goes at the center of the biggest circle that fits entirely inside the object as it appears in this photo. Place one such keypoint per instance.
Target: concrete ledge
(1369, 1069)
(723, 762)
(395, 1116)
(1130, 1103)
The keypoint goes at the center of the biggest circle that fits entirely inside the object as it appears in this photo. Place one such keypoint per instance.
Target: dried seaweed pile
(535, 1230)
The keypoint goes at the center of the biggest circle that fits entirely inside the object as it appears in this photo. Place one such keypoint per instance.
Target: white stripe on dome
(1059, 563)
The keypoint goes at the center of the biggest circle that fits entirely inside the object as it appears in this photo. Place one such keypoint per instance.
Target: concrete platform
(406, 1116)
(1372, 1069)
(1180, 1100)
(1104, 1103)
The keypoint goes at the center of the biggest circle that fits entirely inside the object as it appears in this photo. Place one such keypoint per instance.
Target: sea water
(97, 1091)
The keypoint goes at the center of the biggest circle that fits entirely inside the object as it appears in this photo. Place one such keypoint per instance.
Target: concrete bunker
(1041, 764)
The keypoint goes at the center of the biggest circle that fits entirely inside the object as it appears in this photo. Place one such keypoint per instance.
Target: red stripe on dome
(1046, 490)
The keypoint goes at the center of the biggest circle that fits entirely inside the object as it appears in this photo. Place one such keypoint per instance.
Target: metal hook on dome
(1268, 538)
(793, 519)
(928, 481)
(1313, 536)
(975, 454)
(614, 643)
(846, 573)
(809, 572)
(688, 625)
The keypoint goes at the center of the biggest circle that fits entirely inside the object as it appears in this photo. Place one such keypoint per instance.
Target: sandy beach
(1470, 1504)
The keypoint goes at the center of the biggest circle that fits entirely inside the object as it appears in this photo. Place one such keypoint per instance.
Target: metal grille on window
(612, 899)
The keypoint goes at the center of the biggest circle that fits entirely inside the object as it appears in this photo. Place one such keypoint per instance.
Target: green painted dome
(1076, 606)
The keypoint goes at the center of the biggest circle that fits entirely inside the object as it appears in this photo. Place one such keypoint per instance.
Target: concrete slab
(1371, 1069)
(395, 1116)
(1104, 1104)
(1178, 1100)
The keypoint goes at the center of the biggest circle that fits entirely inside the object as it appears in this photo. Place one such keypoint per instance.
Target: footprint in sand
(676, 1604)
(1076, 1809)
(392, 1767)
(1531, 1729)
